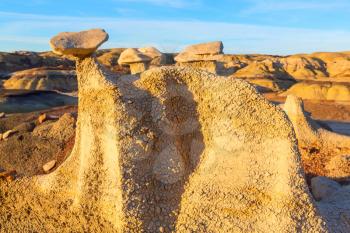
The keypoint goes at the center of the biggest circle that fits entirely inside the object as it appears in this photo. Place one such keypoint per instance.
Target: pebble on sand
(48, 166)
(42, 118)
(8, 175)
(8, 134)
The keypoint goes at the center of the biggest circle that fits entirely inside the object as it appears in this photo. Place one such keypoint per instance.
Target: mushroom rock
(157, 57)
(78, 44)
(201, 56)
(137, 61)
(153, 151)
(308, 131)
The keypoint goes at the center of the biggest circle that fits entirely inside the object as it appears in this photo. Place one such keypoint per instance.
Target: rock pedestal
(201, 56)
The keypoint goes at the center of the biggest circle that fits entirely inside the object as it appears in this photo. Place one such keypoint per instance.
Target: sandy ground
(26, 153)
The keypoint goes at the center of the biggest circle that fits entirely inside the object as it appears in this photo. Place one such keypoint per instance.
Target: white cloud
(34, 30)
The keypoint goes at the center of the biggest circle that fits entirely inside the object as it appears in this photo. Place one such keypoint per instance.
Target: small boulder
(64, 128)
(8, 133)
(78, 44)
(42, 118)
(48, 166)
(322, 187)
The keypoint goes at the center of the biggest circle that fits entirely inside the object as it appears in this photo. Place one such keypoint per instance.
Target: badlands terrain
(137, 140)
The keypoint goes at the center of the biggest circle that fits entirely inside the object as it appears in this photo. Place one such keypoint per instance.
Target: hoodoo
(172, 150)
(137, 61)
(201, 56)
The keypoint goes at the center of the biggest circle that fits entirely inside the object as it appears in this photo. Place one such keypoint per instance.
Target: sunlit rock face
(172, 149)
(43, 79)
(78, 44)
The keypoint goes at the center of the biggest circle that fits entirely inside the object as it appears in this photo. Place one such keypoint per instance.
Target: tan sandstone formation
(201, 56)
(320, 91)
(78, 44)
(44, 79)
(304, 67)
(137, 61)
(338, 64)
(335, 205)
(321, 144)
(157, 58)
(266, 69)
(268, 73)
(310, 132)
(174, 150)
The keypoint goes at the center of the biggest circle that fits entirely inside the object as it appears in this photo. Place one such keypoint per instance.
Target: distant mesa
(78, 44)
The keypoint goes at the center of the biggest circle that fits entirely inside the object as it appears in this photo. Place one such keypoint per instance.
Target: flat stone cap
(151, 52)
(78, 44)
(210, 51)
(210, 48)
(131, 55)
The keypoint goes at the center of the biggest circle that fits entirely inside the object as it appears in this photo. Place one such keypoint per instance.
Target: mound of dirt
(44, 79)
(303, 67)
(338, 64)
(269, 69)
(268, 85)
(320, 91)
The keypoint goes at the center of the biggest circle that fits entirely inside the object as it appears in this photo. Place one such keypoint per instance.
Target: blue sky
(245, 26)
